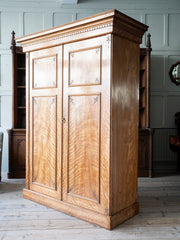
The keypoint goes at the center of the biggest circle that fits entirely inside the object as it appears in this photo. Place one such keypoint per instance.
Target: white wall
(163, 17)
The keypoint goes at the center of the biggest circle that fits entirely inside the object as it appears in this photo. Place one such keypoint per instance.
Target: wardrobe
(82, 117)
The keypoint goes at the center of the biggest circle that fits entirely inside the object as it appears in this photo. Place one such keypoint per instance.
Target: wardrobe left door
(44, 126)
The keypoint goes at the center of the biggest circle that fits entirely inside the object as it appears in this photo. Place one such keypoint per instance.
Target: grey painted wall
(163, 17)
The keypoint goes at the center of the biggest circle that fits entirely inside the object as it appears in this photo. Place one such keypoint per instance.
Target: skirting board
(4, 176)
(108, 222)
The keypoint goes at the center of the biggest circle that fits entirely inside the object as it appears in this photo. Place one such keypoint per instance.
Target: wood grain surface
(83, 118)
(125, 124)
(86, 109)
(45, 130)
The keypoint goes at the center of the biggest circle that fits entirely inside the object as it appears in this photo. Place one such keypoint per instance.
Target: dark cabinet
(17, 134)
(145, 132)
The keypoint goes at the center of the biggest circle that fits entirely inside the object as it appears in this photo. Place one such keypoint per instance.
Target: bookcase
(145, 132)
(17, 134)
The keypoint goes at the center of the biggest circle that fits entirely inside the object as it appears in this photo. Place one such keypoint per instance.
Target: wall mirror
(174, 73)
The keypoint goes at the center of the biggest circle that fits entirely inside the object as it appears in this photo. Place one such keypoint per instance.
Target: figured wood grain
(44, 158)
(45, 131)
(78, 69)
(125, 124)
(42, 76)
(84, 146)
(92, 151)
(86, 131)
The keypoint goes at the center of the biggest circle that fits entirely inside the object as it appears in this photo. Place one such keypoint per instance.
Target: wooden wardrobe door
(45, 121)
(86, 118)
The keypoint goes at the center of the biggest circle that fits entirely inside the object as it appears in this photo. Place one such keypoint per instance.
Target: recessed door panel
(19, 143)
(84, 146)
(85, 66)
(44, 71)
(44, 159)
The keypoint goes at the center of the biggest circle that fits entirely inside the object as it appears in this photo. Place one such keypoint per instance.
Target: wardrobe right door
(86, 123)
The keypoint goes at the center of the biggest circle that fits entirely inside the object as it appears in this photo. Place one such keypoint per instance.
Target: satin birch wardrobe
(82, 117)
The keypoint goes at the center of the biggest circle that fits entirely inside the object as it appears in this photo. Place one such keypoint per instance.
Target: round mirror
(174, 73)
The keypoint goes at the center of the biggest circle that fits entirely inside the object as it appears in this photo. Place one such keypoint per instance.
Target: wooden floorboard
(159, 216)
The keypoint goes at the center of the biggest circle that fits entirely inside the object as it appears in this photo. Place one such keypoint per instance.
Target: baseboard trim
(108, 222)
(4, 176)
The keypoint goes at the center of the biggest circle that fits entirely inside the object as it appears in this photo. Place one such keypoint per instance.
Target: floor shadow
(6, 187)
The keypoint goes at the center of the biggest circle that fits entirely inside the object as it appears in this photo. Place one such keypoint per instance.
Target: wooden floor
(159, 216)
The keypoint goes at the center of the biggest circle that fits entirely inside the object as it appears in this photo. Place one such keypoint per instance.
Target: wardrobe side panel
(124, 115)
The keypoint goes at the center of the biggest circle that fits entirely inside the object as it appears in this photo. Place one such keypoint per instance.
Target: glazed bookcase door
(45, 125)
(86, 118)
